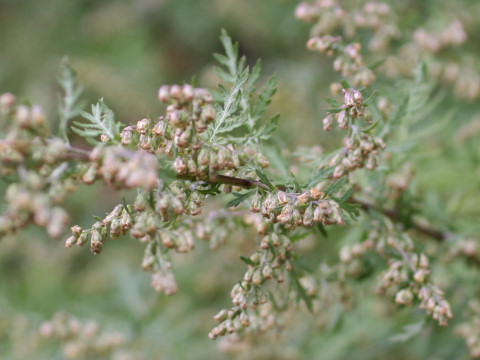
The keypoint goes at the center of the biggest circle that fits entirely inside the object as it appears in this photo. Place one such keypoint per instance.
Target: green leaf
(301, 293)
(231, 51)
(269, 128)
(272, 250)
(371, 127)
(409, 331)
(69, 106)
(299, 236)
(225, 120)
(336, 186)
(247, 261)
(254, 76)
(125, 206)
(334, 111)
(333, 102)
(336, 318)
(239, 198)
(345, 84)
(377, 64)
(222, 74)
(278, 208)
(351, 210)
(371, 98)
(100, 122)
(265, 97)
(321, 228)
(296, 185)
(347, 195)
(263, 178)
(222, 59)
(319, 176)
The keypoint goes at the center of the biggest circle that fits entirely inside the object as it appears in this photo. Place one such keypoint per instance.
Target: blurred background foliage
(123, 51)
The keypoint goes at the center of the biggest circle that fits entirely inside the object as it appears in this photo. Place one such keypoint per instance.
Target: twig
(394, 215)
(431, 232)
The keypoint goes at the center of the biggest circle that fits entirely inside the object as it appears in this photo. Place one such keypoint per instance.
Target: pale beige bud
(404, 297)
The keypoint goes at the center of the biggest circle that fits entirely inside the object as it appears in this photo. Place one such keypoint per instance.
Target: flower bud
(180, 166)
(143, 125)
(256, 202)
(282, 197)
(262, 161)
(164, 93)
(404, 297)
(176, 92)
(208, 113)
(257, 278)
(318, 214)
(178, 118)
(204, 156)
(82, 239)
(244, 319)
(126, 135)
(267, 272)
(188, 92)
(327, 123)
(342, 120)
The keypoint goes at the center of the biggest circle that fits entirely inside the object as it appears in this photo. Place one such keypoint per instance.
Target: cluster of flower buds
(409, 275)
(207, 161)
(293, 210)
(352, 259)
(122, 168)
(189, 112)
(360, 151)
(156, 260)
(248, 293)
(81, 339)
(398, 182)
(470, 330)
(26, 202)
(258, 222)
(43, 180)
(461, 75)
(380, 19)
(230, 321)
(348, 61)
(163, 280)
(188, 115)
(351, 110)
(329, 17)
(115, 224)
(179, 198)
(215, 228)
(310, 12)
(434, 303)
(325, 44)
(452, 34)
(466, 248)
(21, 121)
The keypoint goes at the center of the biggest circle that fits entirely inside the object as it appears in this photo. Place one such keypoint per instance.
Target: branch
(394, 215)
(431, 232)
(230, 180)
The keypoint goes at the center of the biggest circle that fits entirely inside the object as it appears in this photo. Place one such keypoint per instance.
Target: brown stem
(229, 180)
(366, 206)
(394, 215)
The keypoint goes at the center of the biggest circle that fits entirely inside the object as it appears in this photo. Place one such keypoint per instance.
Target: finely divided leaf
(265, 97)
(69, 105)
(336, 186)
(100, 122)
(239, 198)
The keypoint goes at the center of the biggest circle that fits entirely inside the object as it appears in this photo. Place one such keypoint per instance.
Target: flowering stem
(431, 232)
